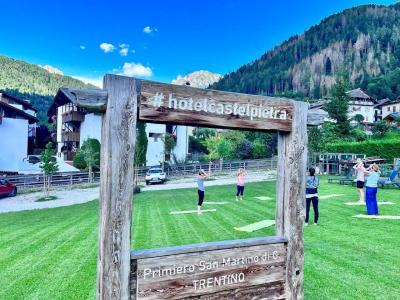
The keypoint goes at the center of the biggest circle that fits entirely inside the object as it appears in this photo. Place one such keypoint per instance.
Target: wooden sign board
(233, 273)
(185, 105)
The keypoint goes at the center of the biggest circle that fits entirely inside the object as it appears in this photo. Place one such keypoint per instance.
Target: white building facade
(74, 126)
(17, 126)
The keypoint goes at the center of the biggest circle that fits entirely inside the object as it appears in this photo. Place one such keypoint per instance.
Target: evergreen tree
(141, 144)
(338, 107)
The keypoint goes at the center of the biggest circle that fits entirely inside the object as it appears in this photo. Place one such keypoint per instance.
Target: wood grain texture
(293, 181)
(280, 186)
(199, 117)
(316, 117)
(93, 100)
(116, 189)
(199, 247)
(262, 272)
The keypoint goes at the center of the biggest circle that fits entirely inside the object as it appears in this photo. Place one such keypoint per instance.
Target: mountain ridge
(361, 42)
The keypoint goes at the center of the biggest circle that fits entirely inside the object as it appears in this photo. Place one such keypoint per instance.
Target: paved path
(77, 196)
(64, 198)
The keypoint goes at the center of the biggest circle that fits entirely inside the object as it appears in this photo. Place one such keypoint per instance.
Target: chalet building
(390, 107)
(74, 125)
(378, 108)
(17, 131)
(361, 104)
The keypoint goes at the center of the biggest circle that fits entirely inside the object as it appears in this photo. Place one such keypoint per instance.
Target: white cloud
(107, 48)
(149, 29)
(136, 69)
(82, 47)
(124, 49)
(98, 82)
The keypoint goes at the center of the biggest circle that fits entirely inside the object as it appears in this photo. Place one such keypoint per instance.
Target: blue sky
(161, 39)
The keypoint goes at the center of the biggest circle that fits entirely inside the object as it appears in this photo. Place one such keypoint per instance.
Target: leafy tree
(204, 133)
(358, 118)
(49, 166)
(338, 107)
(91, 154)
(88, 157)
(380, 128)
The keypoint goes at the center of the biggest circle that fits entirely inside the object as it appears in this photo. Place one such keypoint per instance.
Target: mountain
(200, 79)
(362, 43)
(34, 83)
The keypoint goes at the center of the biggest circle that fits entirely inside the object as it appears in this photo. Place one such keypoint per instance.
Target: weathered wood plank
(116, 189)
(94, 100)
(199, 247)
(168, 103)
(280, 186)
(295, 163)
(316, 117)
(194, 275)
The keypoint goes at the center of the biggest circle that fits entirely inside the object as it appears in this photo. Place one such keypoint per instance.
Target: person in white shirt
(359, 168)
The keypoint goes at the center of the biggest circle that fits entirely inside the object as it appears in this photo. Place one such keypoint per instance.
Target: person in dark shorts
(240, 184)
(312, 183)
(201, 176)
(359, 167)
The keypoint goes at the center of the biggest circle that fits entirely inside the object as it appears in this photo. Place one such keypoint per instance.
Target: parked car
(155, 175)
(7, 188)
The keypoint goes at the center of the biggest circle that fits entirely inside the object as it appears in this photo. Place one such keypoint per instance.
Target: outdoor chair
(391, 180)
(342, 180)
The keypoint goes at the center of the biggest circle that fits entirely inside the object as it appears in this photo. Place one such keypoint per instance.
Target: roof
(62, 97)
(393, 116)
(392, 102)
(25, 103)
(382, 102)
(319, 104)
(10, 109)
(358, 93)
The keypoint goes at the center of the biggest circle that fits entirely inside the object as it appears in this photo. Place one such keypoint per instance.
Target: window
(367, 109)
(388, 108)
(394, 108)
(155, 136)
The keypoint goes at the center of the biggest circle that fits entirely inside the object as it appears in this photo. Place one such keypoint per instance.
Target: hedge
(387, 148)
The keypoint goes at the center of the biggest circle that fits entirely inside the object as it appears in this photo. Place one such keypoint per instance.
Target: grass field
(51, 254)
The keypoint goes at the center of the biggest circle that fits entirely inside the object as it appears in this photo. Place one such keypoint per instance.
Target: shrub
(387, 148)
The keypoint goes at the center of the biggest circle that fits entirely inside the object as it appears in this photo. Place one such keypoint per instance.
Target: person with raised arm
(371, 188)
(201, 176)
(240, 184)
(359, 168)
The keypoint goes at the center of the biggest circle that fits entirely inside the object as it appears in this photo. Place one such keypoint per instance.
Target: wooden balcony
(69, 136)
(73, 116)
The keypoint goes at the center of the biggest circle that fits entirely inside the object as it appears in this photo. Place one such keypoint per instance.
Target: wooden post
(291, 178)
(116, 189)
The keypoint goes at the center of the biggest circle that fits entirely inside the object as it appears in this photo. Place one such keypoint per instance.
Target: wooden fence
(32, 181)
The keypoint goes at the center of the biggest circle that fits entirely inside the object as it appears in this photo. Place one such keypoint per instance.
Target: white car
(155, 175)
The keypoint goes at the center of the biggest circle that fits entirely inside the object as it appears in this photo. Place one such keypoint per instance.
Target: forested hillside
(34, 83)
(362, 43)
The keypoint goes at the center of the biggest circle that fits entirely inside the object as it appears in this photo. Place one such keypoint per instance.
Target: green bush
(79, 160)
(386, 148)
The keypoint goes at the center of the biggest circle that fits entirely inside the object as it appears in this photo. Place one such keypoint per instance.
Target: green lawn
(51, 254)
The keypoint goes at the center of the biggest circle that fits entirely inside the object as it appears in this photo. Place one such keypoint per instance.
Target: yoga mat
(379, 203)
(216, 202)
(263, 198)
(191, 211)
(377, 217)
(256, 226)
(329, 196)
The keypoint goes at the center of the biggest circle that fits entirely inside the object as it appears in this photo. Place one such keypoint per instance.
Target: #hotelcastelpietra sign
(191, 106)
